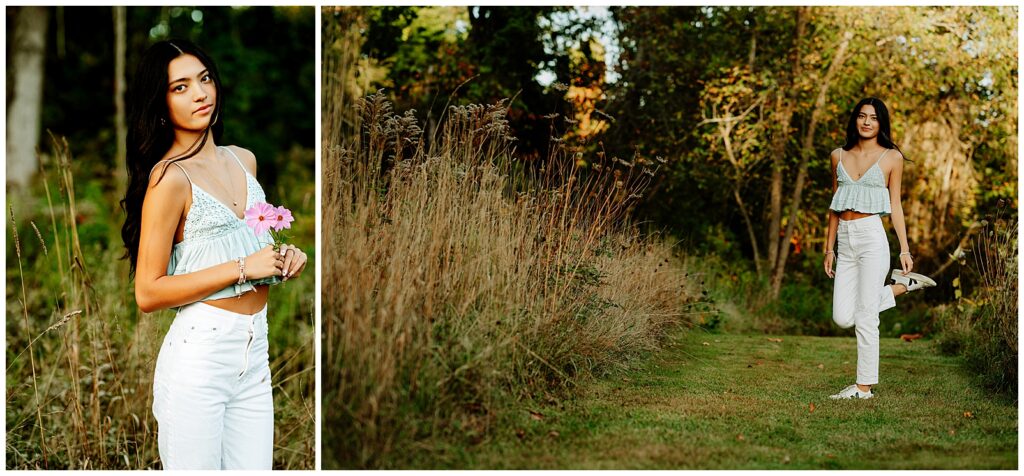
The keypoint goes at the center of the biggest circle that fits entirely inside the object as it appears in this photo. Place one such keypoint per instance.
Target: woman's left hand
(907, 262)
(294, 261)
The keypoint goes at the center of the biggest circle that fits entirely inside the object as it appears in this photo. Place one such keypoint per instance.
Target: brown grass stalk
(32, 360)
(457, 279)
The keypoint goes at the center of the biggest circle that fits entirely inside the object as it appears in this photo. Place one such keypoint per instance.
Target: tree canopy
(265, 55)
(744, 103)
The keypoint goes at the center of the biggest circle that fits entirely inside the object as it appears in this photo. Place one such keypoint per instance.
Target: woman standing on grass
(866, 175)
(190, 249)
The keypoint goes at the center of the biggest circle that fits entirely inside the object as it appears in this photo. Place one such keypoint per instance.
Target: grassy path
(745, 402)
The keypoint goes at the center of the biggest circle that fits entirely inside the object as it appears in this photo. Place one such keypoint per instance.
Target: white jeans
(860, 293)
(211, 391)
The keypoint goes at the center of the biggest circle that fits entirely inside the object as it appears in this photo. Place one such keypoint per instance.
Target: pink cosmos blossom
(282, 218)
(261, 217)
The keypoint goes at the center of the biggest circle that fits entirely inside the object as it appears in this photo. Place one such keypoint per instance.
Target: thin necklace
(230, 182)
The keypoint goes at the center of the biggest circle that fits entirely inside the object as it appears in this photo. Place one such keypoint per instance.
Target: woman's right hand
(829, 258)
(264, 263)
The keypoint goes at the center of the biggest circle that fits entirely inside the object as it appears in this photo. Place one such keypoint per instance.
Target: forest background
(745, 104)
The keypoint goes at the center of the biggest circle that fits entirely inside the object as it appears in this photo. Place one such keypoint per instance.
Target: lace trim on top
(209, 218)
(876, 180)
(866, 195)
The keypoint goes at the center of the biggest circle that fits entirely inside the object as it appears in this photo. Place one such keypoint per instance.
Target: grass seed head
(14, 232)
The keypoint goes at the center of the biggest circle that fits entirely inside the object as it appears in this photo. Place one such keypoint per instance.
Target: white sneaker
(852, 392)
(913, 281)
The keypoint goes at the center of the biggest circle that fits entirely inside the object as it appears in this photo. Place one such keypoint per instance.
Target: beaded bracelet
(907, 253)
(241, 270)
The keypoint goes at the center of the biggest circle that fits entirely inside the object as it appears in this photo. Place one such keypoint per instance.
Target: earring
(163, 122)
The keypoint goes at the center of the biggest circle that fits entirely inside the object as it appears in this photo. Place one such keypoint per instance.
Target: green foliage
(268, 78)
(974, 331)
(742, 301)
(947, 74)
(664, 75)
(666, 65)
(429, 57)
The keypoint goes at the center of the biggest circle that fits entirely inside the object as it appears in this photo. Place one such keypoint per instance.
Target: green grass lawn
(745, 402)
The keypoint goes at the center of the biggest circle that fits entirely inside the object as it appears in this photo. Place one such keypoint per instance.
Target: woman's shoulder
(835, 155)
(167, 175)
(893, 161)
(246, 156)
(894, 155)
(169, 186)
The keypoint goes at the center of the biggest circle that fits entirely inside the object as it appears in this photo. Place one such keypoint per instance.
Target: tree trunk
(23, 111)
(752, 56)
(778, 151)
(725, 131)
(120, 34)
(806, 151)
(784, 107)
(750, 229)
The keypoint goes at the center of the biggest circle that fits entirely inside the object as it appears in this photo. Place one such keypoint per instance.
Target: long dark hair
(150, 132)
(884, 125)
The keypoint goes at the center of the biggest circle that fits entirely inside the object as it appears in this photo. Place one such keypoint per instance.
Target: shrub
(983, 328)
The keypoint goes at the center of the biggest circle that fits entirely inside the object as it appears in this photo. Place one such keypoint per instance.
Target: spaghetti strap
(165, 164)
(883, 155)
(182, 171)
(236, 158)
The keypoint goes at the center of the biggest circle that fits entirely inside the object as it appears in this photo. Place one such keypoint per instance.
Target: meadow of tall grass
(458, 280)
(80, 355)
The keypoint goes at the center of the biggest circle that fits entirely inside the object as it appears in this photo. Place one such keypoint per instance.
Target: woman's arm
(162, 210)
(898, 222)
(833, 222)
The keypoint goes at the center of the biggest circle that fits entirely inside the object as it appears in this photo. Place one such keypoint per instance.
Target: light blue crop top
(214, 235)
(866, 195)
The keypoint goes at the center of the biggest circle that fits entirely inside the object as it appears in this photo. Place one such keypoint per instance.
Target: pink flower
(283, 218)
(261, 217)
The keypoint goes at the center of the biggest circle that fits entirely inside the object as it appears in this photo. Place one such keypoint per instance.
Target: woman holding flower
(201, 239)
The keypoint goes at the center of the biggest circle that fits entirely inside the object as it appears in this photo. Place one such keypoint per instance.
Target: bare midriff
(246, 303)
(848, 215)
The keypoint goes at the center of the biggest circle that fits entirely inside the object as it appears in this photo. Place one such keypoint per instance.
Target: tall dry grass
(996, 258)
(983, 327)
(458, 280)
(80, 355)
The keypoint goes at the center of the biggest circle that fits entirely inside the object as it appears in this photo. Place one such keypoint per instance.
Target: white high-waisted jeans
(860, 293)
(211, 391)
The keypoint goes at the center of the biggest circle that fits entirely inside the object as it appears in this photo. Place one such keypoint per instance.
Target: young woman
(191, 249)
(866, 175)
